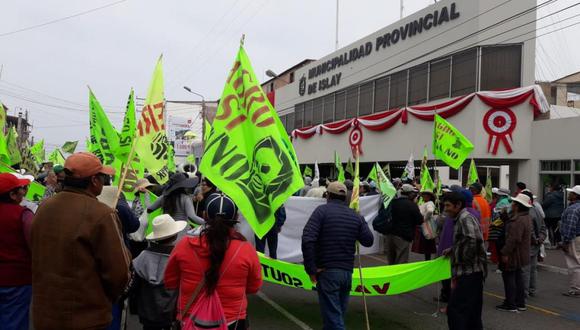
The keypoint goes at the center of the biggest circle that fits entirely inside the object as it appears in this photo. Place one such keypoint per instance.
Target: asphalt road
(277, 307)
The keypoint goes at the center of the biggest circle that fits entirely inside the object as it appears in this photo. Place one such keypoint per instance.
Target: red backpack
(207, 313)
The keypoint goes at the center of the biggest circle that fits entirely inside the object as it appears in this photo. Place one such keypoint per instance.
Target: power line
(60, 19)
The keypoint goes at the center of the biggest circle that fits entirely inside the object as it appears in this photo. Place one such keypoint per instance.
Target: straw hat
(164, 226)
(142, 183)
(523, 199)
(108, 196)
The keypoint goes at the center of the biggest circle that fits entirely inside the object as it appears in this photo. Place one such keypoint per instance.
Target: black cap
(222, 205)
(476, 186)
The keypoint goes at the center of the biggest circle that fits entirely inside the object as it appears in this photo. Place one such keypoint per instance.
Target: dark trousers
(513, 283)
(272, 239)
(445, 290)
(333, 289)
(553, 230)
(465, 303)
(14, 307)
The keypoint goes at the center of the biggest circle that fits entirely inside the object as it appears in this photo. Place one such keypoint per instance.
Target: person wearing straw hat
(15, 257)
(176, 201)
(570, 232)
(221, 258)
(156, 304)
(80, 264)
(515, 254)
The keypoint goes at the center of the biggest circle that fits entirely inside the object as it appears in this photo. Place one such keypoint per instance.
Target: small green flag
(308, 171)
(56, 157)
(127, 134)
(354, 200)
(339, 167)
(387, 170)
(13, 149)
(28, 160)
(373, 173)
(349, 168)
(449, 144)
(426, 181)
(473, 177)
(38, 152)
(248, 154)
(488, 187)
(424, 160)
(388, 191)
(70, 146)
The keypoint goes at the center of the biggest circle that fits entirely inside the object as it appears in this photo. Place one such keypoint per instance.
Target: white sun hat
(523, 199)
(575, 189)
(164, 226)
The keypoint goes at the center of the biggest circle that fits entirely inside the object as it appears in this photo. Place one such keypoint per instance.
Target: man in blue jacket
(328, 247)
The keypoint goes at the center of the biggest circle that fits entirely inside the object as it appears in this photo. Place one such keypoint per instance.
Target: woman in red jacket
(229, 263)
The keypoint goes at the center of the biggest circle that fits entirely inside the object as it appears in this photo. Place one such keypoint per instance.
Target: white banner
(298, 211)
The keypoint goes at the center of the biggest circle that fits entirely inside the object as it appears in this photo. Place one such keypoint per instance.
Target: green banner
(449, 144)
(13, 149)
(378, 281)
(38, 152)
(70, 146)
(248, 154)
(151, 142)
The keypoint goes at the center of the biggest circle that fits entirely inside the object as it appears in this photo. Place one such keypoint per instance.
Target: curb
(553, 269)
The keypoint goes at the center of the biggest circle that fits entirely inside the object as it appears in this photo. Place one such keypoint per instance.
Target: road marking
(284, 312)
(539, 309)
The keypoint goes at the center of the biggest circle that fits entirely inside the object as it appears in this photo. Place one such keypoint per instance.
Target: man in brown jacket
(515, 254)
(80, 265)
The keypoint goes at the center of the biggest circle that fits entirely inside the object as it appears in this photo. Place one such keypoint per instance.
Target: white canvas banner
(298, 211)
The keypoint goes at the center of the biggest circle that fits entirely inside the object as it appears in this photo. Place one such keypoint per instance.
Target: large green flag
(151, 142)
(128, 132)
(248, 154)
(13, 149)
(473, 177)
(104, 137)
(449, 144)
(4, 154)
(373, 173)
(339, 167)
(38, 152)
(56, 157)
(70, 146)
(349, 168)
(388, 191)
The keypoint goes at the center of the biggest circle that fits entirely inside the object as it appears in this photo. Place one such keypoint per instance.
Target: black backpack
(383, 222)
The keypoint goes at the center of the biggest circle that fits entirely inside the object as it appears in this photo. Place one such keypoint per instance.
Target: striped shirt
(468, 252)
(570, 225)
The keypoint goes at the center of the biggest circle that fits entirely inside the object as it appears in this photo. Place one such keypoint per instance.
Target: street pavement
(277, 307)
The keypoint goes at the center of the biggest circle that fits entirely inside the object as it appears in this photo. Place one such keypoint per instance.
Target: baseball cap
(575, 189)
(57, 168)
(336, 188)
(86, 164)
(222, 205)
(9, 182)
(476, 186)
(407, 188)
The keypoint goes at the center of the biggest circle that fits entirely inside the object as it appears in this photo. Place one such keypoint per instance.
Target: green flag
(488, 187)
(248, 154)
(38, 152)
(307, 171)
(373, 173)
(56, 157)
(387, 170)
(4, 153)
(28, 160)
(206, 129)
(339, 168)
(388, 191)
(104, 137)
(349, 168)
(151, 142)
(426, 181)
(473, 177)
(424, 160)
(13, 149)
(354, 199)
(449, 144)
(128, 132)
(70, 146)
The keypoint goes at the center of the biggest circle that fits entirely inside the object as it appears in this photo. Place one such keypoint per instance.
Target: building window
(439, 79)
(381, 94)
(308, 114)
(509, 59)
(290, 123)
(291, 79)
(351, 102)
(418, 84)
(453, 174)
(299, 115)
(463, 72)
(328, 109)
(317, 111)
(340, 106)
(398, 93)
(555, 165)
(577, 165)
(365, 105)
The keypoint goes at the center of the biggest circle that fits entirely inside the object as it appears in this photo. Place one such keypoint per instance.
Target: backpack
(207, 312)
(383, 222)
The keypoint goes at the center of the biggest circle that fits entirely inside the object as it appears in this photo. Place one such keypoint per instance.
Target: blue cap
(222, 205)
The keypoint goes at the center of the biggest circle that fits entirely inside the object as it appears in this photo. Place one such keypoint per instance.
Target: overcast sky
(115, 48)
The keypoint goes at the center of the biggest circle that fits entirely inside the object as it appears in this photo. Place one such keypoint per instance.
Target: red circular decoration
(355, 140)
(499, 124)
